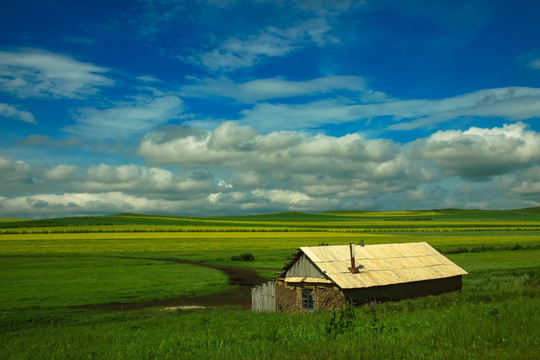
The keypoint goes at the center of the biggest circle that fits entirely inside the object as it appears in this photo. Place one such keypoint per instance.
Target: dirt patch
(238, 298)
(238, 276)
(186, 307)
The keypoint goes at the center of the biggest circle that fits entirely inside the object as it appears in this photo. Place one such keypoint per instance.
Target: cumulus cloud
(125, 119)
(151, 181)
(302, 170)
(237, 147)
(13, 170)
(126, 177)
(262, 89)
(282, 196)
(234, 168)
(38, 73)
(62, 172)
(526, 186)
(240, 52)
(289, 167)
(481, 153)
(85, 203)
(10, 111)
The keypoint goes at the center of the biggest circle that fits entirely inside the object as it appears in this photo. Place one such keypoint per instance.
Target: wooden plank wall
(263, 297)
(303, 267)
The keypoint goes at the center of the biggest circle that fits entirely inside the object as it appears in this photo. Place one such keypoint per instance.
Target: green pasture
(495, 317)
(212, 246)
(52, 273)
(63, 281)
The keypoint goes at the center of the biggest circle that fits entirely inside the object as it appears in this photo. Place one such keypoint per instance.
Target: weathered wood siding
(303, 267)
(263, 297)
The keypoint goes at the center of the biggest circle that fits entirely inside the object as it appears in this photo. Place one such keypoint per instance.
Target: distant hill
(287, 218)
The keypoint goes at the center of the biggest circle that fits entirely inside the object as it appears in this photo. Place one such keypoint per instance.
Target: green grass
(63, 281)
(454, 326)
(46, 276)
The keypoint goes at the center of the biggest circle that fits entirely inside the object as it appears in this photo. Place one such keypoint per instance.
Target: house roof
(380, 265)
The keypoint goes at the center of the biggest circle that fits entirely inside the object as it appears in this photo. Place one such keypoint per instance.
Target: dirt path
(238, 298)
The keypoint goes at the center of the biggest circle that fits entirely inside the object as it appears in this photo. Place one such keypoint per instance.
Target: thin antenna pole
(353, 267)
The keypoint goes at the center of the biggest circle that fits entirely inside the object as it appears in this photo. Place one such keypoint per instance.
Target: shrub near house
(243, 257)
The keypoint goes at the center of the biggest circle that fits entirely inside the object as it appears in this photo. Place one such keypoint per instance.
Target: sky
(229, 107)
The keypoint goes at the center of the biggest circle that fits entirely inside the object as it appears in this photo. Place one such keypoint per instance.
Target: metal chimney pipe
(353, 269)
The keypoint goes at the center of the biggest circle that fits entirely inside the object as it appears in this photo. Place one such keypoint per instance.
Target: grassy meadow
(55, 273)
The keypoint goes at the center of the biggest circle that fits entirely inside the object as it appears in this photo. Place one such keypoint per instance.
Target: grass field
(52, 271)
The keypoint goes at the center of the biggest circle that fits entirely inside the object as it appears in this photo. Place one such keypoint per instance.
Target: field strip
(181, 235)
(151, 242)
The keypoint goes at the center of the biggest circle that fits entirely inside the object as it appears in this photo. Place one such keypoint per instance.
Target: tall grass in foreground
(433, 328)
(494, 317)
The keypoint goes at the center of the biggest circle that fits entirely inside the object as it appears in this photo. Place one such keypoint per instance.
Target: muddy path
(238, 298)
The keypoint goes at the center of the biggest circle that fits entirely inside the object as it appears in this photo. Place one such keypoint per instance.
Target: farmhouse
(329, 277)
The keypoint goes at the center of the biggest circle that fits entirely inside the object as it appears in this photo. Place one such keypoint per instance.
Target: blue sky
(208, 107)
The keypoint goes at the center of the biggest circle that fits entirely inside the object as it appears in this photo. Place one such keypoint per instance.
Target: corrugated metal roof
(383, 264)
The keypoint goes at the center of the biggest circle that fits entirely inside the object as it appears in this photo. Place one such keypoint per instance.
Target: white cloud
(240, 52)
(480, 153)
(269, 117)
(514, 104)
(62, 172)
(236, 170)
(127, 177)
(38, 73)
(151, 181)
(229, 136)
(86, 203)
(299, 169)
(263, 89)
(237, 147)
(10, 111)
(527, 186)
(282, 196)
(111, 202)
(418, 194)
(13, 170)
(142, 114)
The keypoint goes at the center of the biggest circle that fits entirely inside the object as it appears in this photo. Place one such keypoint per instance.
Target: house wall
(288, 297)
(303, 267)
(263, 297)
(404, 290)
(325, 296)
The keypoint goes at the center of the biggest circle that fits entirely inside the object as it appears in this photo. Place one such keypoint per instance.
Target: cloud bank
(234, 168)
